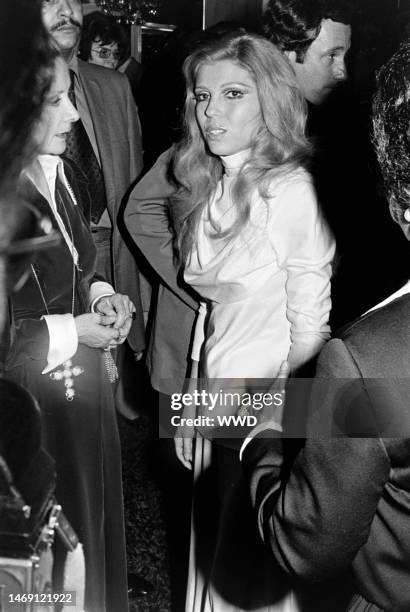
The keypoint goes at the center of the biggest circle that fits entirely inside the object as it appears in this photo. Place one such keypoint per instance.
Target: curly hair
(25, 74)
(279, 145)
(293, 25)
(101, 28)
(391, 131)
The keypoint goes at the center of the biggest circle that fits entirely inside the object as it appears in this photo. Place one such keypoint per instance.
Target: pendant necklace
(68, 371)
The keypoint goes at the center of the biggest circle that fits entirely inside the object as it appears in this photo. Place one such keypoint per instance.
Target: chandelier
(131, 12)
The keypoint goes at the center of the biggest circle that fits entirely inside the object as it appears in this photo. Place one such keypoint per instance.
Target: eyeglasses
(105, 53)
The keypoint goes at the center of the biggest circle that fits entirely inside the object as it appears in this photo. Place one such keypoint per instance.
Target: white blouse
(266, 290)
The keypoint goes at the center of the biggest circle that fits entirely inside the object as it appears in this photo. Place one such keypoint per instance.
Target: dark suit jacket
(118, 134)
(147, 220)
(344, 506)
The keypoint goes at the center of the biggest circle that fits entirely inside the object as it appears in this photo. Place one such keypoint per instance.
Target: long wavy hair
(279, 145)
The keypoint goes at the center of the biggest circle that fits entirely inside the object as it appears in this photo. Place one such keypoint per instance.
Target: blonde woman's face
(227, 107)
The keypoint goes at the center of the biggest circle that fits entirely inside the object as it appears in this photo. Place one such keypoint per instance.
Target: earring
(407, 215)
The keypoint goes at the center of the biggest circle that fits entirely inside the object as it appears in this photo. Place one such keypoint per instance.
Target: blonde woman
(252, 242)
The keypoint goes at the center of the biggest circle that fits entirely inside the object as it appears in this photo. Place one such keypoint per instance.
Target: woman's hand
(184, 436)
(183, 448)
(95, 330)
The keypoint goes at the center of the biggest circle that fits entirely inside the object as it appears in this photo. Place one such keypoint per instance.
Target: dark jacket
(343, 508)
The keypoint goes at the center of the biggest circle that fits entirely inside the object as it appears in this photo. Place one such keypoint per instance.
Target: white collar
(51, 165)
(399, 293)
(43, 174)
(233, 163)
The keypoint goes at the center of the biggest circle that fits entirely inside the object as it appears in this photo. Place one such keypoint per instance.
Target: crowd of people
(232, 257)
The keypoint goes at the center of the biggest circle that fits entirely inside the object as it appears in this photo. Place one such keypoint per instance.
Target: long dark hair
(25, 74)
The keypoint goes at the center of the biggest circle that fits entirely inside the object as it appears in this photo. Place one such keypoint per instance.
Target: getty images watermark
(222, 408)
(311, 408)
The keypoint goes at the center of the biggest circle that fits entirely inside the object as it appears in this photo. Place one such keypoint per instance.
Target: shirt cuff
(257, 430)
(63, 339)
(98, 290)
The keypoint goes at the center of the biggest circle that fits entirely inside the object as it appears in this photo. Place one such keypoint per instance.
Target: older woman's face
(104, 55)
(58, 113)
(227, 107)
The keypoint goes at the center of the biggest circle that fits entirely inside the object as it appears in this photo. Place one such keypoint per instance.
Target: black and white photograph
(204, 285)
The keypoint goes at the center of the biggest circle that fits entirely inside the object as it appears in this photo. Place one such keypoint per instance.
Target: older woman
(253, 244)
(57, 354)
(340, 516)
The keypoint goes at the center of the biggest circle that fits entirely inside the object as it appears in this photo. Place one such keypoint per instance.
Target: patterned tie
(80, 150)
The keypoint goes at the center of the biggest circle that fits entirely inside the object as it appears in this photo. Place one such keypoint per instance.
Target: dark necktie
(80, 150)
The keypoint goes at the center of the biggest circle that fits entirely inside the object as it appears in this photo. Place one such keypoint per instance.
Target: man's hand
(122, 308)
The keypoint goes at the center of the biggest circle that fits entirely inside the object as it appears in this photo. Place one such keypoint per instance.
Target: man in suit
(341, 509)
(111, 135)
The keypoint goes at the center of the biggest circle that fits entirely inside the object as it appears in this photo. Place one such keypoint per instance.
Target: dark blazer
(147, 220)
(343, 509)
(118, 134)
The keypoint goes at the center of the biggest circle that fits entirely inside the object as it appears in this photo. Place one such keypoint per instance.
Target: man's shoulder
(392, 318)
(106, 77)
(379, 341)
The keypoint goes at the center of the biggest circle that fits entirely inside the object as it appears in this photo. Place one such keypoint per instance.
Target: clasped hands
(109, 324)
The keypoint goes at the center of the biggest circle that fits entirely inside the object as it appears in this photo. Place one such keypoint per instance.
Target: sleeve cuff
(98, 290)
(305, 346)
(63, 340)
(257, 430)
